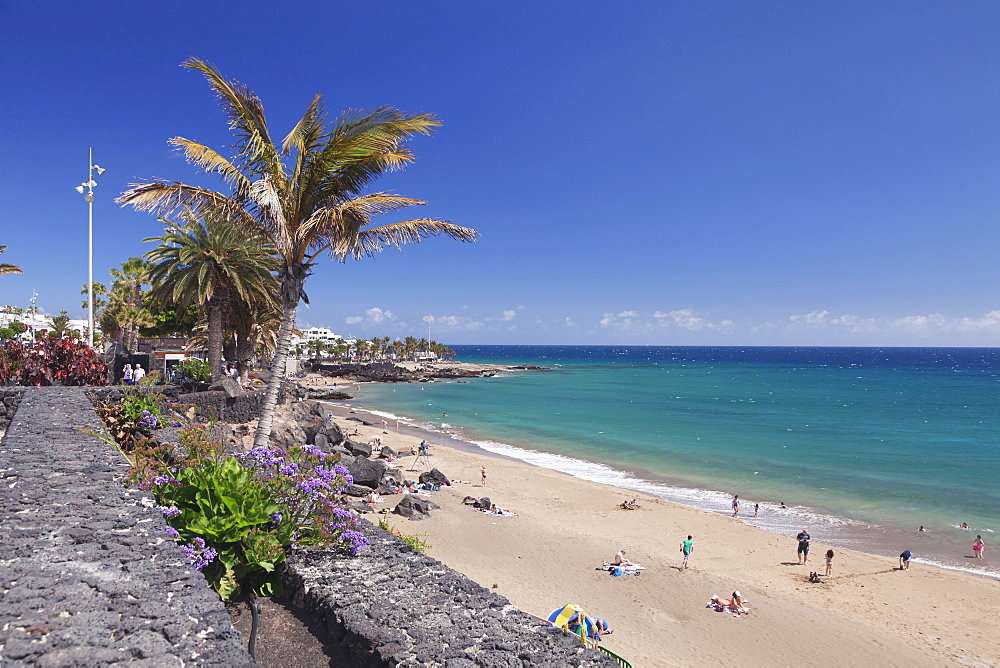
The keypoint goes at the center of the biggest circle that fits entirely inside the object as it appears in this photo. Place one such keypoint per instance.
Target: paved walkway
(86, 575)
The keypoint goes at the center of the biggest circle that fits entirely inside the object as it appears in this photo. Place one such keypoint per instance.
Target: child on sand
(904, 560)
(829, 562)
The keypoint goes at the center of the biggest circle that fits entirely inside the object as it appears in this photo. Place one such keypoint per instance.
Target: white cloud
(681, 318)
(823, 320)
(508, 315)
(373, 316)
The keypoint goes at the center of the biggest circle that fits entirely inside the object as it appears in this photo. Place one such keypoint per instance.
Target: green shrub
(194, 369)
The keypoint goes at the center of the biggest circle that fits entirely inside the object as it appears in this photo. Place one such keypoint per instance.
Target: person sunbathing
(620, 559)
(738, 604)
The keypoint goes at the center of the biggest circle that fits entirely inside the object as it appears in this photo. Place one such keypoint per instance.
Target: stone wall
(87, 575)
(392, 606)
(233, 410)
(10, 397)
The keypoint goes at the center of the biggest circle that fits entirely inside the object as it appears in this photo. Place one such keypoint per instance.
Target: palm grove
(244, 256)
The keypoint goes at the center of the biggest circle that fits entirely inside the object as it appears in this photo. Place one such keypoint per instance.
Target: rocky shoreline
(409, 372)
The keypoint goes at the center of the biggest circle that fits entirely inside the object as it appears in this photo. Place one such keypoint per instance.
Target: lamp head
(100, 170)
(79, 189)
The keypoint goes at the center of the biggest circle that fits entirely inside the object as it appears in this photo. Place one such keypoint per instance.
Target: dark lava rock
(434, 477)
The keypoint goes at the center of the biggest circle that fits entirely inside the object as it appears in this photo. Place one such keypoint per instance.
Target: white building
(38, 322)
(319, 334)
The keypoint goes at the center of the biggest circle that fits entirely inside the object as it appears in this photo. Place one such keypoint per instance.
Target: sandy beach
(867, 613)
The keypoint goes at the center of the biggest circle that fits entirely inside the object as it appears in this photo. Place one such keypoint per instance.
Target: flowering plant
(237, 515)
(136, 415)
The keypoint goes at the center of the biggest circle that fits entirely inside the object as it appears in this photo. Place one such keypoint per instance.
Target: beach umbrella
(572, 618)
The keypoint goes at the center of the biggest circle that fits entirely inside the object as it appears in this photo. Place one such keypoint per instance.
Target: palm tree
(125, 313)
(8, 268)
(318, 203)
(60, 324)
(211, 263)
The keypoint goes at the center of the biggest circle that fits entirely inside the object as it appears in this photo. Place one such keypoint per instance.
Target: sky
(658, 173)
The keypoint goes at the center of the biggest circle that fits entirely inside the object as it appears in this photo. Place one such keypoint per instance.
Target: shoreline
(843, 532)
(525, 557)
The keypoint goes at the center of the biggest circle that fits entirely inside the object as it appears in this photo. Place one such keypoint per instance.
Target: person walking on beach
(686, 547)
(756, 508)
(803, 552)
(483, 470)
(904, 560)
(736, 505)
(829, 562)
(978, 546)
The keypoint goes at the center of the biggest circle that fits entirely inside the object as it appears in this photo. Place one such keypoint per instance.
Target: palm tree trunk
(292, 281)
(215, 335)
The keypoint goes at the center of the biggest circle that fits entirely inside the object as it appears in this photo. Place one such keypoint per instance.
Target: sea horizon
(863, 444)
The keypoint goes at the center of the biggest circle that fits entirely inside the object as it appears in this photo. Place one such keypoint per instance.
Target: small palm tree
(308, 195)
(8, 268)
(125, 314)
(211, 263)
(60, 324)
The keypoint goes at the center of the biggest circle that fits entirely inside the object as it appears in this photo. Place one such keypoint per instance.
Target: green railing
(619, 660)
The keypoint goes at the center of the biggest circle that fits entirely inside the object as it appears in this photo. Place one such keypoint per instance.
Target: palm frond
(365, 144)
(210, 161)
(374, 240)
(246, 119)
(164, 198)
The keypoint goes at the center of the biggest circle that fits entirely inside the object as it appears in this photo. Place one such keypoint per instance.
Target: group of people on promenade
(132, 376)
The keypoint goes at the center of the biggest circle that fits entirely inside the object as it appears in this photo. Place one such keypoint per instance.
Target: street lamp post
(88, 197)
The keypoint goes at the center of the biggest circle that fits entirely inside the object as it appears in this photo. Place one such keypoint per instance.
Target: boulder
(334, 435)
(365, 472)
(434, 477)
(360, 449)
(358, 490)
(483, 503)
(387, 452)
(414, 508)
(361, 507)
(287, 433)
(321, 442)
(226, 384)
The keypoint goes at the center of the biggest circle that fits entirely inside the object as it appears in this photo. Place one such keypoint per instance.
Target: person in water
(978, 547)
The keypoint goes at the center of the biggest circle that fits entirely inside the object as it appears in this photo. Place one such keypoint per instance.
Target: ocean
(863, 445)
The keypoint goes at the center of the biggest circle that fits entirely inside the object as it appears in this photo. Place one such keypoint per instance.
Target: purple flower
(172, 531)
(289, 470)
(169, 511)
(199, 555)
(356, 540)
(165, 480)
(263, 456)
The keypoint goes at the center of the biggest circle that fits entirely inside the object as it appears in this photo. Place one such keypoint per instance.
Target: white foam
(982, 572)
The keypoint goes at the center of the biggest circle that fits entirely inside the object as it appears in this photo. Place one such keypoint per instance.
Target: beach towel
(627, 570)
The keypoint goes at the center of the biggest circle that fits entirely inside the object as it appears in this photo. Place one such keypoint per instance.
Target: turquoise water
(869, 443)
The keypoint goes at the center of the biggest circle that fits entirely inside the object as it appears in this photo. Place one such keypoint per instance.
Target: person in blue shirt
(904, 560)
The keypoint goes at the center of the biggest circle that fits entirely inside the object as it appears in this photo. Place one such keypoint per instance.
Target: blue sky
(771, 173)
